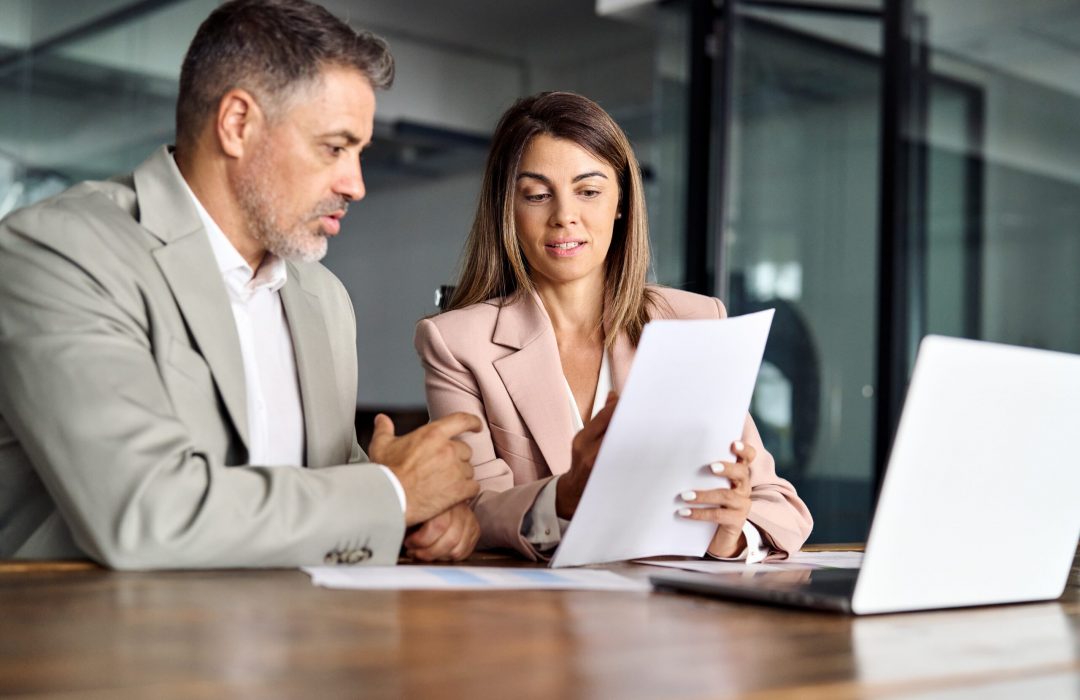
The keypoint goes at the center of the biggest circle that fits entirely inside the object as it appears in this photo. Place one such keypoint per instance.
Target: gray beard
(296, 243)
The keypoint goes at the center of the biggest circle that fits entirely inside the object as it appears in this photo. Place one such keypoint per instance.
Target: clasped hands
(433, 468)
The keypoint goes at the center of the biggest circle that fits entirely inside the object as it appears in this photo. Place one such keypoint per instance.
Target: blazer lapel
(187, 263)
(534, 379)
(311, 345)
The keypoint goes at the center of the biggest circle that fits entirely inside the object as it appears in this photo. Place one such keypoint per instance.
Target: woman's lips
(564, 249)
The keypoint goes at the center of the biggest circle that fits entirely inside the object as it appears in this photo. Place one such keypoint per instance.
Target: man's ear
(239, 117)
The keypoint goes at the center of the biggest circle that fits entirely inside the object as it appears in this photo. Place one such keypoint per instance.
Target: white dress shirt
(544, 529)
(274, 408)
(275, 412)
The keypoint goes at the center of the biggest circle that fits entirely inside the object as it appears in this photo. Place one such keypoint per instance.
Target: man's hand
(449, 536)
(571, 485)
(432, 467)
(727, 507)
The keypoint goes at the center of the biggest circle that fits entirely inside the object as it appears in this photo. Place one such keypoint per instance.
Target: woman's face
(565, 204)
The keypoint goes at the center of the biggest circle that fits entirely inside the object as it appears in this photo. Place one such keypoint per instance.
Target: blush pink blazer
(501, 362)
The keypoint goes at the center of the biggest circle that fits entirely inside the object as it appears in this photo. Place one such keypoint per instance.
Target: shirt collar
(238, 275)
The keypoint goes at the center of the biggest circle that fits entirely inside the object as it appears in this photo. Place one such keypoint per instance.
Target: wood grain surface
(82, 631)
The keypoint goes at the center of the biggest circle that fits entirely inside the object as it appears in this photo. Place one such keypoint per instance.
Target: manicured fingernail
(717, 467)
(688, 495)
(739, 446)
(684, 512)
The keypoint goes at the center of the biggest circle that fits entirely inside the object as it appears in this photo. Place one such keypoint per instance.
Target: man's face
(304, 167)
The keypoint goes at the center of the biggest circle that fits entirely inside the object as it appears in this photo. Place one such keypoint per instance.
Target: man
(171, 352)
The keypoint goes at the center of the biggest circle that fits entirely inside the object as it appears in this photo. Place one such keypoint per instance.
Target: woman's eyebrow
(534, 176)
(545, 180)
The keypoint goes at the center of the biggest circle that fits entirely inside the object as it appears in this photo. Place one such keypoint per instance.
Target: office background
(873, 170)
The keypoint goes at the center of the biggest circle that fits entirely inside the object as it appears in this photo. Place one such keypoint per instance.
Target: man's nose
(351, 183)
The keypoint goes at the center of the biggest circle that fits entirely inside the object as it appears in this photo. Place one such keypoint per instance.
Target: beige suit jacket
(501, 362)
(123, 434)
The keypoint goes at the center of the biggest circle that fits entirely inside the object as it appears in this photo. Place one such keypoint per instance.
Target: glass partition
(87, 90)
(1003, 195)
(986, 188)
(800, 236)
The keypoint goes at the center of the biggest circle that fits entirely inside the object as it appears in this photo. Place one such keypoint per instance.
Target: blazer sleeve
(775, 508)
(451, 387)
(81, 391)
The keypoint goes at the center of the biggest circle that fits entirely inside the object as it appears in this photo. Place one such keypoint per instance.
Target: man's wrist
(398, 488)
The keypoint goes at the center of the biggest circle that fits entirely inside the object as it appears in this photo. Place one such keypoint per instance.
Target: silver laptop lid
(981, 500)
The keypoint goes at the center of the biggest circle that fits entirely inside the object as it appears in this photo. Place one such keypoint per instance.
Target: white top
(603, 388)
(544, 529)
(274, 408)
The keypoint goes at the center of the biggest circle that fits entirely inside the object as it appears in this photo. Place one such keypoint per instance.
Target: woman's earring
(618, 215)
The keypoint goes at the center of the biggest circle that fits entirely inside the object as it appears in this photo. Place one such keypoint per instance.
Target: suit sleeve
(83, 395)
(451, 387)
(775, 508)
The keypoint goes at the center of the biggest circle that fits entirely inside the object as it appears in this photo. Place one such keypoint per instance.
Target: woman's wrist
(566, 496)
(723, 546)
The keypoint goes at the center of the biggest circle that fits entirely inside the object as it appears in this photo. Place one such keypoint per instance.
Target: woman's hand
(571, 485)
(727, 507)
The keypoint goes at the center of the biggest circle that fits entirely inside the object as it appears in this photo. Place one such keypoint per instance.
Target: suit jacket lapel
(187, 263)
(534, 379)
(311, 345)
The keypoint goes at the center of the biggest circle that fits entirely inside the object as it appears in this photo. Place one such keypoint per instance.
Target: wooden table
(77, 631)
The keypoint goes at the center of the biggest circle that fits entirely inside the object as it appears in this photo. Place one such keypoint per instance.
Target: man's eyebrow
(350, 138)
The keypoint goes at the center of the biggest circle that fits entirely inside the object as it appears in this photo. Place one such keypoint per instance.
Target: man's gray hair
(270, 48)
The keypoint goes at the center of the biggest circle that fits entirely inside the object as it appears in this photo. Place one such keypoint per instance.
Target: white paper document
(800, 561)
(684, 403)
(465, 578)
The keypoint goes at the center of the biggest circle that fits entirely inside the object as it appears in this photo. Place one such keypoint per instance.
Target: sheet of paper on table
(800, 561)
(684, 403)
(464, 578)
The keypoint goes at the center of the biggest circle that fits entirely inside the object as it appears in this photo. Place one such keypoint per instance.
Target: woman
(543, 323)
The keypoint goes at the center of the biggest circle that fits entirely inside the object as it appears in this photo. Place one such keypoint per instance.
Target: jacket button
(353, 557)
(331, 558)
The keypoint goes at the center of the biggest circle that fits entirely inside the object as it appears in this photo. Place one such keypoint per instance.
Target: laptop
(981, 499)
